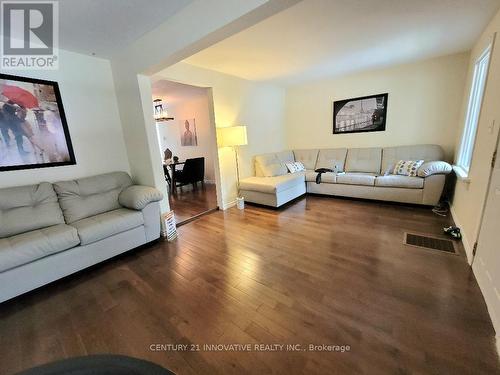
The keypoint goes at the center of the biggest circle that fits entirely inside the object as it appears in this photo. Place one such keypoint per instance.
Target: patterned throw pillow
(296, 166)
(407, 167)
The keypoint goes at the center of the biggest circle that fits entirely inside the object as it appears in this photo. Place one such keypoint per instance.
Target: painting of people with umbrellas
(33, 128)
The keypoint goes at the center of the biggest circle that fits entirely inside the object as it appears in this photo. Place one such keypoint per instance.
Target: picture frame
(187, 132)
(34, 131)
(360, 115)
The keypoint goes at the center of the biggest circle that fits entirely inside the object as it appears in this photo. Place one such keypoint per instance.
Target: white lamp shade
(232, 136)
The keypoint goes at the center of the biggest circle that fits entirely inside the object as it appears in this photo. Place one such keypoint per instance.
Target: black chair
(192, 173)
(166, 172)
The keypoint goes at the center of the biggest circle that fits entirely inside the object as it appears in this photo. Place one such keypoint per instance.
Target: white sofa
(363, 173)
(48, 231)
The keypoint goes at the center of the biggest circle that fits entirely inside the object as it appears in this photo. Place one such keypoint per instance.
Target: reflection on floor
(188, 202)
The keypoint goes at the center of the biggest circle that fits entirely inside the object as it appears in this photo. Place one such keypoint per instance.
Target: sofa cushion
(391, 155)
(27, 208)
(90, 196)
(356, 179)
(364, 160)
(332, 158)
(269, 165)
(310, 175)
(285, 156)
(272, 185)
(27, 247)
(327, 177)
(98, 227)
(306, 157)
(400, 181)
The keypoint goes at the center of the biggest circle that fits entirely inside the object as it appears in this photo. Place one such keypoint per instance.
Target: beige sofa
(362, 173)
(48, 231)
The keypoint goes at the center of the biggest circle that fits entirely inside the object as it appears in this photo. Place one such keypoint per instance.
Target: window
(473, 109)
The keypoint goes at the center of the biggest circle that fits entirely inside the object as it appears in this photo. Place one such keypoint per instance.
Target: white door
(486, 264)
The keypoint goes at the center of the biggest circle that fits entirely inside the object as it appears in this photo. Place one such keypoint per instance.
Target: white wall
(238, 102)
(170, 132)
(89, 101)
(423, 106)
(185, 33)
(469, 196)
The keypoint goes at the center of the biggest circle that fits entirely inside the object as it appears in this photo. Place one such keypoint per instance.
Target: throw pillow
(291, 167)
(407, 167)
(299, 167)
(294, 167)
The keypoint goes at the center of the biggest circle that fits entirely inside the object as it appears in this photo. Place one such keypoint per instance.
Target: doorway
(186, 138)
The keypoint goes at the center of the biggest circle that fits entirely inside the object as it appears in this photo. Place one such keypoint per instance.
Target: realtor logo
(30, 35)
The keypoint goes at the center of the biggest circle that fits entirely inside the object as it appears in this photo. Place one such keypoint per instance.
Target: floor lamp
(233, 136)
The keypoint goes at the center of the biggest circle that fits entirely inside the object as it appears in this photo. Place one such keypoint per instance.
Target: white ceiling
(173, 93)
(319, 38)
(102, 27)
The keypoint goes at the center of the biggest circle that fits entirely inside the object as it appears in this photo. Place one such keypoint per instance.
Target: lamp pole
(237, 172)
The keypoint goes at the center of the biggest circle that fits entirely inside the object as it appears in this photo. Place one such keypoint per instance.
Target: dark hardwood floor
(321, 271)
(187, 202)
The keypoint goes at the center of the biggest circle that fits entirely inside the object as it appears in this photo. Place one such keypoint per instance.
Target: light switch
(497, 191)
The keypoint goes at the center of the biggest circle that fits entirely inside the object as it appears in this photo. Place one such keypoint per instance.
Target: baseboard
(226, 206)
(465, 241)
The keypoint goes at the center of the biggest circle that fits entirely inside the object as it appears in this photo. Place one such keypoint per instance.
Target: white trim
(465, 241)
(226, 206)
(461, 174)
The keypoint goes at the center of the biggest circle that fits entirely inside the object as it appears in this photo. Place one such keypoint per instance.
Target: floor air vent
(431, 243)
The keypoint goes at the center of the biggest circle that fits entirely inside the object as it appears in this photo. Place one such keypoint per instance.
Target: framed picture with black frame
(33, 128)
(360, 115)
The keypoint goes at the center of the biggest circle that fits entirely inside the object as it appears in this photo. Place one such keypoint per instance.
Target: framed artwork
(188, 133)
(359, 115)
(33, 128)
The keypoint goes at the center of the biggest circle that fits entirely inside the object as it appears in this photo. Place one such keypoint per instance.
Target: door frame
(212, 134)
(488, 191)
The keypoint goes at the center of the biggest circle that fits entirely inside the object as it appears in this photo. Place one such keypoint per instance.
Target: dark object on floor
(441, 209)
(453, 232)
(193, 172)
(320, 172)
(427, 242)
(99, 365)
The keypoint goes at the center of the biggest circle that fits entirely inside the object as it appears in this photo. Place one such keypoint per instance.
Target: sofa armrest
(137, 197)
(434, 167)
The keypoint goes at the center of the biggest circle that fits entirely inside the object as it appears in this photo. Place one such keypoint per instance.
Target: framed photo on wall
(359, 115)
(188, 133)
(33, 128)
